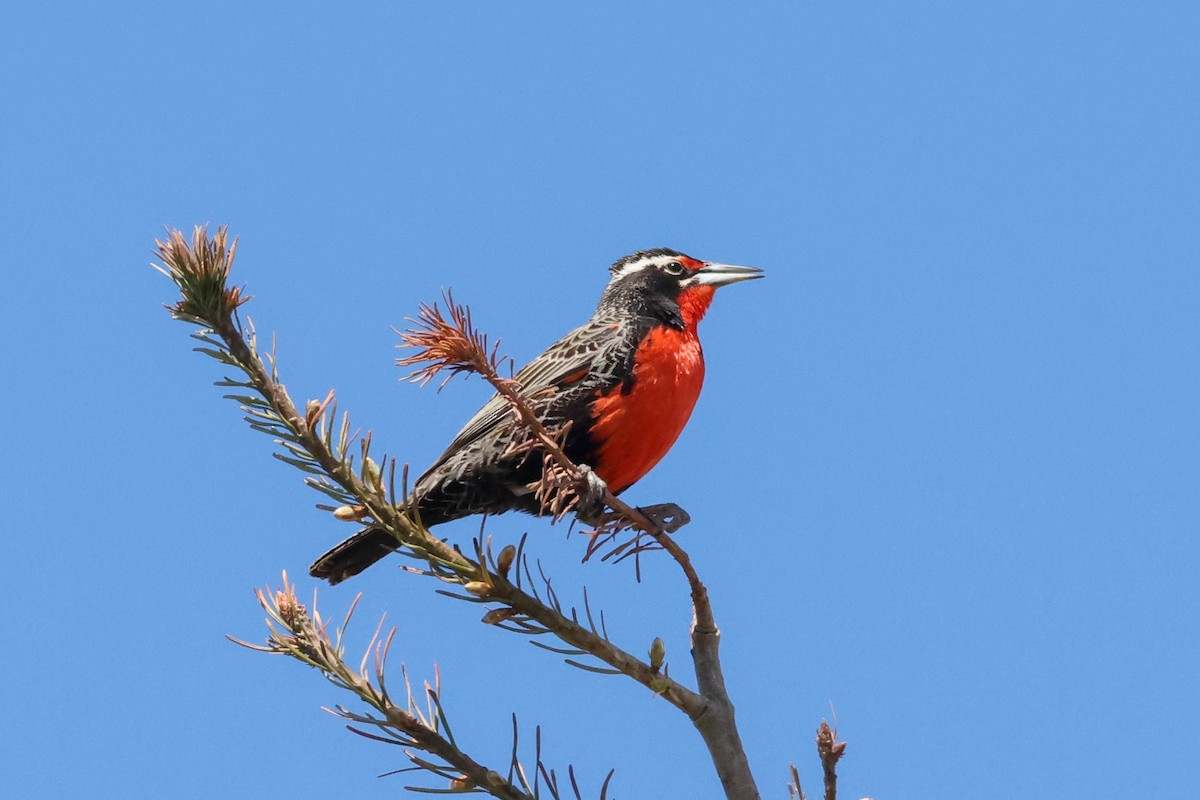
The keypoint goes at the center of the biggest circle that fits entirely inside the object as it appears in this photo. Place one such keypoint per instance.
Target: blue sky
(945, 473)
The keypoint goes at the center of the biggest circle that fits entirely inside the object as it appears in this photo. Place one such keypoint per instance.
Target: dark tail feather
(353, 555)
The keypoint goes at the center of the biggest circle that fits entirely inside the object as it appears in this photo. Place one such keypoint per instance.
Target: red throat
(694, 303)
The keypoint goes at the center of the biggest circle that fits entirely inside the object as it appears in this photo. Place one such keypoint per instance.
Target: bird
(626, 381)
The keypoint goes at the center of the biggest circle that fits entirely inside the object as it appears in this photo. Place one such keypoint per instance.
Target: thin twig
(300, 634)
(829, 750)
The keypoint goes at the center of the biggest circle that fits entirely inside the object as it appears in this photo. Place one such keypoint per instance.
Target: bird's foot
(590, 508)
(667, 516)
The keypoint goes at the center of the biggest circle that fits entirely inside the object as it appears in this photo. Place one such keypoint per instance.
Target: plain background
(944, 476)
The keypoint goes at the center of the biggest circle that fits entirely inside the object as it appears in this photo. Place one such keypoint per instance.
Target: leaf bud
(659, 684)
(478, 588)
(370, 472)
(349, 513)
(658, 652)
(505, 560)
(311, 409)
(497, 615)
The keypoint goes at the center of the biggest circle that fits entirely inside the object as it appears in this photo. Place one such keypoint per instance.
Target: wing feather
(566, 362)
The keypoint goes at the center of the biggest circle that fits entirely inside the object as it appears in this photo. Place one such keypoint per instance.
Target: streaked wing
(564, 363)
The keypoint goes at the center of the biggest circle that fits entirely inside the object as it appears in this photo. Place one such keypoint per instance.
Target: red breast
(634, 429)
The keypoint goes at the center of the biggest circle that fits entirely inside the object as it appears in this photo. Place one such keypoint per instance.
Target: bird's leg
(667, 516)
(590, 508)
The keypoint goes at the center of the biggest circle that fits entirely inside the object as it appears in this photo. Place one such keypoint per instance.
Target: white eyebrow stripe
(638, 266)
(630, 268)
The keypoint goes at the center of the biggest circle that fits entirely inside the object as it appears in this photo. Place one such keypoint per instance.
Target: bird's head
(670, 285)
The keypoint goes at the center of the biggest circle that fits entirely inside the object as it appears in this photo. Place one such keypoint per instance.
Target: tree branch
(201, 271)
(299, 634)
(468, 352)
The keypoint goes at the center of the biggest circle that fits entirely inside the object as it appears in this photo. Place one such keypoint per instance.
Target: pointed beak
(721, 274)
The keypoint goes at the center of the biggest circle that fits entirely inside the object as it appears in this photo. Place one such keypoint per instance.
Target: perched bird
(626, 380)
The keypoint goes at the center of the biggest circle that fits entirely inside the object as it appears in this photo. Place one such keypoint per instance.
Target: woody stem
(715, 721)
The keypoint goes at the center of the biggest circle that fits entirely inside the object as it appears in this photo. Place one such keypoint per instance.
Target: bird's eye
(673, 268)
